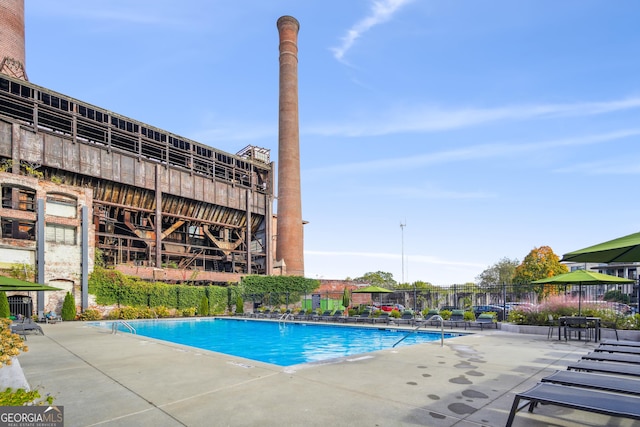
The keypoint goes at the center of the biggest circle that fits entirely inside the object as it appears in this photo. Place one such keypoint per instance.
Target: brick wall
(12, 30)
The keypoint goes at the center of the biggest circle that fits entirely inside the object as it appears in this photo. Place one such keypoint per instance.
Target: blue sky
(487, 127)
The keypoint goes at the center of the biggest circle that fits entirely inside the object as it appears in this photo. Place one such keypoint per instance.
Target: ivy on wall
(112, 287)
(274, 290)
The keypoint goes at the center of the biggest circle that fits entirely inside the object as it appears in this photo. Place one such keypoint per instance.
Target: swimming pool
(279, 343)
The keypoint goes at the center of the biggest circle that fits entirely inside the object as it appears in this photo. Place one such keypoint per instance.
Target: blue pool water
(283, 344)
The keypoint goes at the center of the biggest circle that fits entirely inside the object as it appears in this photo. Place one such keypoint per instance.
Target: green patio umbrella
(622, 249)
(13, 284)
(373, 290)
(583, 277)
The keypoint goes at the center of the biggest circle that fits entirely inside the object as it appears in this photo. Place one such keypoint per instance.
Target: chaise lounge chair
(456, 319)
(332, 317)
(483, 321)
(611, 404)
(606, 367)
(594, 381)
(613, 357)
(617, 349)
(365, 316)
(317, 317)
(21, 327)
(407, 318)
(383, 318)
(431, 313)
(622, 343)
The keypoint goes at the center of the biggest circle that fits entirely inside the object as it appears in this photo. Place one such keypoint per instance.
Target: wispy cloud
(475, 152)
(381, 11)
(621, 166)
(418, 119)
(141, 12)
(417, 259)
(426, 191)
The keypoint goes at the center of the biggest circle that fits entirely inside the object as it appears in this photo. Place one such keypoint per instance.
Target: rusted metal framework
(159, 199)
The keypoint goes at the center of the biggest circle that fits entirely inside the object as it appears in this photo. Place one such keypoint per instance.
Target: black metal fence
(505, 296)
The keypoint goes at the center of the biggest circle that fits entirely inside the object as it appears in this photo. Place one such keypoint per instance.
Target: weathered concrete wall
(98, 161)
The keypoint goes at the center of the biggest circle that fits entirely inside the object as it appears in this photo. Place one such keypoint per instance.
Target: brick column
(12, 45)
(290, 241)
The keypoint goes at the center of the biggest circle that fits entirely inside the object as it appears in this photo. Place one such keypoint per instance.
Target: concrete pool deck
(125, 380)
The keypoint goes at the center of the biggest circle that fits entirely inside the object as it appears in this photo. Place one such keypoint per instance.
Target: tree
(540, 263)
(500, 273)
(379, 278)
(69, 307)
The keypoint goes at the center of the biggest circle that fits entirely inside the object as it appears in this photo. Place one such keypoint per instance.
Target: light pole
(402, 226)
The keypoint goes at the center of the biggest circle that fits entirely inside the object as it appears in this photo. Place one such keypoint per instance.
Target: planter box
(525, 329)
(606, 333)
(13, 377)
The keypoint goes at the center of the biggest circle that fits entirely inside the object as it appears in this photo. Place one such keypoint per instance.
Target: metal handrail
(437, 317)
(285, 316)
(114, 327)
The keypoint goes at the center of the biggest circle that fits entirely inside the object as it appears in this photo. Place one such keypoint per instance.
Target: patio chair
(553, 324)
(600, 402)
(52, 317)
(595, 381)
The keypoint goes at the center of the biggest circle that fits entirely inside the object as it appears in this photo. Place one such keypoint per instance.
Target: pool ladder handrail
(436, 317)
(285, 317)
(114, 327)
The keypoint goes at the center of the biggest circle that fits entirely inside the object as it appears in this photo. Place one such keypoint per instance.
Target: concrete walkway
(123, 380)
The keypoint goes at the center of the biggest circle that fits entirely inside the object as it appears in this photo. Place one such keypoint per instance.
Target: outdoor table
(590, 324)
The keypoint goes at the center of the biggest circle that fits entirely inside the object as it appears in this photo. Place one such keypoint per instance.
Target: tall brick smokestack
(12, 50)
(290, 242)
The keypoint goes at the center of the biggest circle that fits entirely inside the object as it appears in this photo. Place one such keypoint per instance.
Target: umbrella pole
(580, 299)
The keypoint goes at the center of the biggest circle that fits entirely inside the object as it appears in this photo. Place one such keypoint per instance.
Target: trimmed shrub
(469, 316)
(90, 314)
(4, 306)
(189, 312)
(203, 308)
(239, 305)
(69, 307)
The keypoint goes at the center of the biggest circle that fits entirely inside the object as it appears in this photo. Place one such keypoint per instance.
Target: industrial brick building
(77, 180)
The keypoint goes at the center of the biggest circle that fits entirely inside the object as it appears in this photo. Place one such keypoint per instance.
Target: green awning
(584, 277)
(622, 249)
(372, 290)
(13, 284)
